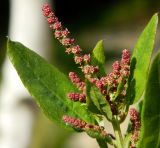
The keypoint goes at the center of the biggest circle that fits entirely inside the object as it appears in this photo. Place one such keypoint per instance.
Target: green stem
(118, 134)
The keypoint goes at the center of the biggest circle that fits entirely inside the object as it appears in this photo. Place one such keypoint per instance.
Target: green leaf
(46, 84)
(150, 117)
(100, 102)
(100, 136)
(140, 61)
(98, 57)
(102, 143)
(119, 90)
(90, 104)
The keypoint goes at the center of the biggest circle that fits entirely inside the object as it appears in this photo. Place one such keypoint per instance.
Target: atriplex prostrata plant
(81, 104)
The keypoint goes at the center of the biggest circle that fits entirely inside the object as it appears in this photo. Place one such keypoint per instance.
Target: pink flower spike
(134, 118)
(74, 78)
(125, 57)
(77, 97)
(76, 123)
(73, 96)
(136, 126)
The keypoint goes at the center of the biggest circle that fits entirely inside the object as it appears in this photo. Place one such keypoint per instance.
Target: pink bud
(81, 85)
(92, 80)
(73, 96)
(116, 66)
(68, 50)
(51, 20)
(57, 26)
(76, 49)
(78, 59)
(99, 84)
(86, 58)
(89, 69)
(46, 10)
(51, 14)
(125, 54)
(103, 80)
(66, 41)
(58, 34)
(65, 32)
(72, 41)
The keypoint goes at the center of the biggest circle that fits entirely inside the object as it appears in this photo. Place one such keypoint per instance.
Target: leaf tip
(155, 16)
(100, 42)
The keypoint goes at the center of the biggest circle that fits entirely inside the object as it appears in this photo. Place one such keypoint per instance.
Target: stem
(118, 134)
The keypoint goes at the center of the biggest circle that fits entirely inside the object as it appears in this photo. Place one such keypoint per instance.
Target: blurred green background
(118, 23)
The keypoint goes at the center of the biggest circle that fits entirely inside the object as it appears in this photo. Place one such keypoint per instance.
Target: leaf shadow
(131, 83)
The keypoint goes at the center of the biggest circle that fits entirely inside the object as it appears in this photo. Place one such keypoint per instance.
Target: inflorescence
(134, 117)
(108, 84)
(93, 130)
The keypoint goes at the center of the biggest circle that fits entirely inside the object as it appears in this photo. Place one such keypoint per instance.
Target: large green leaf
(140, 61)
(150, 117)
(46, 84)
(98, 57)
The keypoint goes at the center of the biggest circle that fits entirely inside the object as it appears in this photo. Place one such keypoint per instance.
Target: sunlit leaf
(98, 57)
(140, 61)
(150, 117)
(46, 84)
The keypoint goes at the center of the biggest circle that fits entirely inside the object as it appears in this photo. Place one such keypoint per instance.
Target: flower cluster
(92, 130)
(60, 33)
(83, 60)
(77, 81)
(77, 97)
(108, 85)
(134, 117)
(63, 36)
(76, 123)
(120, 70)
